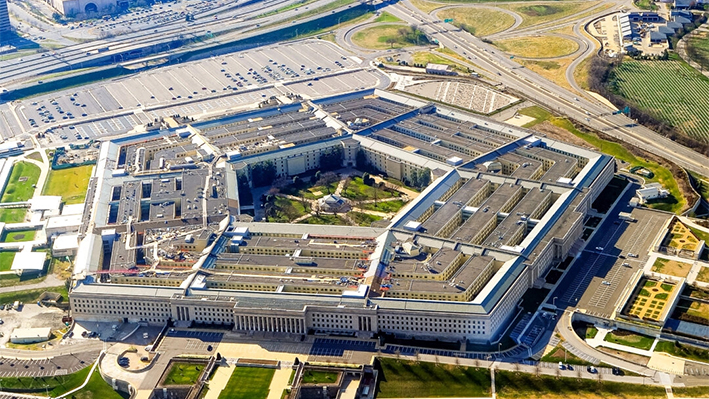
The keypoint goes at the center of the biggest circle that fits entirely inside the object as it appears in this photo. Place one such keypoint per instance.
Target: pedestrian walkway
(278, 383)
(220, 379)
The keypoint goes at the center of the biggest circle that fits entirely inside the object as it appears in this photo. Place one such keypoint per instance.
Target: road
(591, 113)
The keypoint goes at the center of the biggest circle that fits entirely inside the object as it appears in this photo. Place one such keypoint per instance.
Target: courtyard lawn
(401, 379)
(384, 206)
(363, 219)
(682, 350)
(6, 259)
(20, 184)
(629, 338)
(671, 267)
(310, 191)
(248, 383)
(183, 373)
(287, 210)
(12, 215)
(325, 219)
(356, 190)
(71, 183)
(703, 274)
(319, 377)
(18, 236)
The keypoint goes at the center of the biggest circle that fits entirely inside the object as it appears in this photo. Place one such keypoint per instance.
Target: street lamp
(553, 301)
(499, 348)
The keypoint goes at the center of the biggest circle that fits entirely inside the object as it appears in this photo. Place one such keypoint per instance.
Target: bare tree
(326, 179)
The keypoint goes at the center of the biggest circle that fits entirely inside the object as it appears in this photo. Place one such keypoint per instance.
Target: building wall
(4, 19)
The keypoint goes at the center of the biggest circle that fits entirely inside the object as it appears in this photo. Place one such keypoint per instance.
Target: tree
(346, 183)
(263, 173)
(331, 159)
(326, 179)
(297, 181)
(390, 41)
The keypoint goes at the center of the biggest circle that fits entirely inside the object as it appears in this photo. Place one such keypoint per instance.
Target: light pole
(499, 349)
(553, 301)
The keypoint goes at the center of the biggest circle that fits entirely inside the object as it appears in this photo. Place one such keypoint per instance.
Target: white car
(599, 248)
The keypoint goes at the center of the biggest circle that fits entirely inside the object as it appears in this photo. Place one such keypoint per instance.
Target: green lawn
(319, 377)
(13, 215)
(698, 48)
(541, 13)
(248, 383)
(382, 37)
(478, 21)
(308, 191)
(365, 219)
(183, 373)
(546, 46)
(386, 17)
(559, 354)
(19, 186)
(30, 296)
(356, 190)
(585, 330)
(631, 339)
(401, 379)
(6, 259)
(97, 388)
(645, 5)
(325, 219)
(523, 385)
(682, 350)
(662, 175)
(287, 210)
(71, 183)
(18, 235)
(384, 206)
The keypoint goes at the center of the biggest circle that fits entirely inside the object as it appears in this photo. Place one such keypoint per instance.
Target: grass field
(363, 219)
(538, 46)
(382, 37)
(358, 191)
(478, 21)
(559, 354)
(703, 274)
(248, 383)
(540, 13)
(662, 174)
(6, 259)
(18, 236)
(426, 6)
(631, 339)
(400, 379)
(682, 350)
(671, 267)
(692, 308)
(30, 296)
(698, 48)
(96, 388)
(310, 190)
(669, 90)
(319, 377)
(645, 5)
(19, 186)
(287, 210)
(386, 17)
(13, 215)
(183, 373)
(424, 57)
(554, 70)
(71, 183)
(585, 330)
(325, 219)
(384, 206)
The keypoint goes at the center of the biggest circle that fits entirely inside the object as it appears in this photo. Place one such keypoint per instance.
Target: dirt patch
(557, 133)
(642, 360)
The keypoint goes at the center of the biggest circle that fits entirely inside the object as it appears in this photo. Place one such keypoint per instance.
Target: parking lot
(197, 89)
(58, 365)
(603, 269)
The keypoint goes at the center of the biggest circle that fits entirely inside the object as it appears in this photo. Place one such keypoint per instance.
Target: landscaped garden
(650, 300)
(183, 373)
(319, 377)
(671, 267)
(21, 184)
(629, 338)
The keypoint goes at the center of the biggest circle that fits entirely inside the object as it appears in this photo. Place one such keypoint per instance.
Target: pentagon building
(165, 239)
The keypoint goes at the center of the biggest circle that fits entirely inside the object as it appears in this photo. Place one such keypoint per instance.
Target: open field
(662, 174)
(383, 37)
(478, 21)
(6, 259)
(386, 17)
(183, 373)
(20, 184)
(540, 13)
(248, 383)
(631, 339)
(554, 70)
(71, 183)
(538, 46)
(424, 57)
(671, 267)
(671, 91)
(426, 6)
(400, 379)
(698, 48)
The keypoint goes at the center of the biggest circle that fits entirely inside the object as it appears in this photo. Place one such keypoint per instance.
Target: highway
(590, 113)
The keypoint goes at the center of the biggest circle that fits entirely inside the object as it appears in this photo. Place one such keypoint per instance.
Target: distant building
(658, 37)
(65, 245)
(27, 262)
(439, 69)
(333, 203)
(684, 4)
